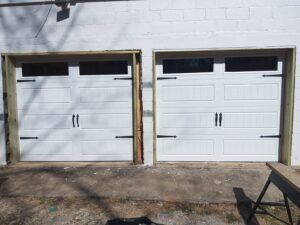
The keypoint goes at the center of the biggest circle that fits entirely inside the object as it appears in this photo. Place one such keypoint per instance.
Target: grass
(231, 218)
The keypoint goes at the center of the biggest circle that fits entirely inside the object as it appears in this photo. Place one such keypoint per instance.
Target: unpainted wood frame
(10, 98)
(285, 155)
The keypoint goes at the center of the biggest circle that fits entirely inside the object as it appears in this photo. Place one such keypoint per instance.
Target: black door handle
(73, 120)
(216, 119)
(77, 120)
(220, 120)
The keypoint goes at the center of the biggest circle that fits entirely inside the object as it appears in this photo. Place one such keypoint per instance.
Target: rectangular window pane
(103, 68)
(192, 65)
(240, 64)
(45, 69)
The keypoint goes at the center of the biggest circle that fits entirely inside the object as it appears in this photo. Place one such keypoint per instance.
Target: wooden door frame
(288, 91)
(10, 97)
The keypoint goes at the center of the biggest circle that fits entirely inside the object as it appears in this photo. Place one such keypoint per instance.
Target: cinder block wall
(155, 24)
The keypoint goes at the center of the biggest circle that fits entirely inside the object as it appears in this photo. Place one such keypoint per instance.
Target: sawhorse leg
(288, 210)
(258, 201)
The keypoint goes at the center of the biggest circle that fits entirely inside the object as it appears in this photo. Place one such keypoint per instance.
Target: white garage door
(219, 108)
(75, 110)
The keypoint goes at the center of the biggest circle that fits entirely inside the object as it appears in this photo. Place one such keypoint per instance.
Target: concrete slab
(206, 184)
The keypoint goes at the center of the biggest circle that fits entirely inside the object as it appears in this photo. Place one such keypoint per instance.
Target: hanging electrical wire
(43, 24)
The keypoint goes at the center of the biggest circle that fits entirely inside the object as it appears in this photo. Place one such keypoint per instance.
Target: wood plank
(139, 110)
(12, 116)
(288, 174)
(137, 126)
(75, 53)
(288, 110)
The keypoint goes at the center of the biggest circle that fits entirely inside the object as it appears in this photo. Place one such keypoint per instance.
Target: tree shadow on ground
(244, 206)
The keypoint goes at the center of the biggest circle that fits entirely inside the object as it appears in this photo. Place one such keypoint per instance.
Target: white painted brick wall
(237, 13)
(261, 13)
(156, 24)
(216, 13)
(194, 14)
(172, 15)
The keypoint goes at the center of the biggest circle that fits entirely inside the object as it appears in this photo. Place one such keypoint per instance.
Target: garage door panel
(47, 158)
(38, 147)
(105, 121)
(196, 120)
(111, 94)
(250, 146)
(248, 158)
(49, 135)
(37, 122)
(105, 158)
(186, 147)
(106, 147)
(46, 95)
(252, 92)
(187, 93)
(45, 108)
(251, 120)
(105, 108)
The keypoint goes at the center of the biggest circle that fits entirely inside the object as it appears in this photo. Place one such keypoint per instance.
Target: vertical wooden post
(288, 108)
(11, 110)
(137, 110)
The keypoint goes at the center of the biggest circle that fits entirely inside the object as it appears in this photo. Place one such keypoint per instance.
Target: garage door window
(103, 67)
(245, 64)
(192, 65)
(45, 69)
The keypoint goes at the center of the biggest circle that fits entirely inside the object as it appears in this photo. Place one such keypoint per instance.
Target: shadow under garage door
(75, 109)
(219, 107)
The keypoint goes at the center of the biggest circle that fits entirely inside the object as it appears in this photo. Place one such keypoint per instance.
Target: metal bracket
(270, 136)
(29, 138)
(23, 81)
(272, 75)
(122, 78)
(166, 78)
(119, 137)
(166, 136)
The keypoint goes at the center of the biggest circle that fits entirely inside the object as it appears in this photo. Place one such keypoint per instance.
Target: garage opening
(223, 105)
(74, 107)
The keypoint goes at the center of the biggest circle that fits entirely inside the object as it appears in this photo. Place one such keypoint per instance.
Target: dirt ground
(92, 211)
(210, 195)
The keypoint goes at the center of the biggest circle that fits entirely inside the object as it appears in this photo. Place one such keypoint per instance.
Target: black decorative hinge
(29, 138)
(23, 81)
(166, 78)
(270, 136)
(166, 136)
(272, 75)
(119, 137)
(123, 78)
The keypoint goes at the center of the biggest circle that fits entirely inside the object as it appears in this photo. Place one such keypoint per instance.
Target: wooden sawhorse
(287, 180)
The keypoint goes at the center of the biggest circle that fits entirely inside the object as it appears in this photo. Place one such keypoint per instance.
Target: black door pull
(216, 119)
(77, 120)
(73, 120)
(220, 120)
